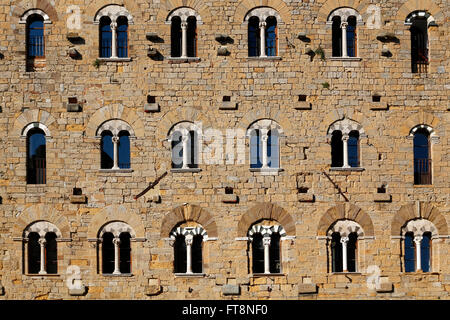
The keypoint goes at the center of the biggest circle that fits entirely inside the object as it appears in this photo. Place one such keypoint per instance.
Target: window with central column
(184, 141)
(262, 32)
(417, 245)
(188, 250)
(264, 136)
(345, 144)
(344, 22)
(115, 146)
(183, 32)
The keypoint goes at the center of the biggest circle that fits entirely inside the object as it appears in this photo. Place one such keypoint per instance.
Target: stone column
(116, 242)
(115, 140)
(418, 241)
(113, 39)
(42, 242)
(185, 140)
(345, 138)
(184, 39)
(262, 33)
(344, 241)
(189, 239)
(344, 38)
(266, 243)
(264, 138)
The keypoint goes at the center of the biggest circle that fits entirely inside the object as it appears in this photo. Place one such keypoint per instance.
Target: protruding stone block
(385, 287)
(231, 290)
(382, 197)
(230, 198)
(305, 197)
(78, 291)
(151, 107)
(307, 288)
(78, 199)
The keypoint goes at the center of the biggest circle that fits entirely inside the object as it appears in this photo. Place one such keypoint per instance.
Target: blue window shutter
(192, 149)
(253, 37)
(35, 46)
(271, 37)
(273, 149)
(124, 150)
(353, 149)
(255, 149)
(36, 157)
(177, 150)
(409, 253)
(105, 38)
(122, 37)
(107, 150)
(425, 252)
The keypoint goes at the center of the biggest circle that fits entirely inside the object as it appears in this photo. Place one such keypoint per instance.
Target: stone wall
(193, 91)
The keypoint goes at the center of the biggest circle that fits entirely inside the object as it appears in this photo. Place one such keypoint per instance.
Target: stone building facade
(71, 95)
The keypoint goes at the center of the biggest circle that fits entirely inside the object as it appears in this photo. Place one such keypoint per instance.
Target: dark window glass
(36, 157)
(273, 149)
(122, 37)
(105, 40)
(274, 253)
(410, 263)
(124, 150)
(351, 36)
(351, 252)
(336, 252)
(175, 37)
(257, 253)
(253, 37)
(107, 253)
(180, 254)
(34, 253)
(192, 149)
(337, 149)
(35, 36)
(425, 251)
(107, 150)
(125, 253)
(271, 36)
(51, 253)
(336, 37)
(192, 37)
(353, 149)
(255, 149)
(196, 254)
(419, 45)
(422, 159)
(177, 150)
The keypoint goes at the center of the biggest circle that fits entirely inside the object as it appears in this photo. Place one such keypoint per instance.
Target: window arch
(344, 22)
(113, 21)
(115, 144)
(417, 238)
(184, 138)
(188, 249)
(343, 239)
(264, 136)
(183, 36)
(266, 247)
(115, 252)
(345, 143)
(262, 32)
(36, 156)
(419, 21)
(41, 248)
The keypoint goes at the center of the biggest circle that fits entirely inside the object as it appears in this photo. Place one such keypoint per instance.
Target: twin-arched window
(262, 32)
(115, 144)
(417, 244)
(345, 144)
(264, 138)
(188, 249)
(344, 22)
(183, 33)
(343, 244)
(184, 140)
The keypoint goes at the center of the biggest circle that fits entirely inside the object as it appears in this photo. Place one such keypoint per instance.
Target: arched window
(175, 37)
(35, 36)
(113, 21)
(353, 148)
(183, 35)
(254, 48)
(115, 152)
(41, 248)
(184, 140)
(115, 239)
(262, 32)
(419, 22)
(343, 239)
(36, 156)
(122, 37)
(344, 22)
(265, 248)
(105, 37)
(422, 157)
(345, 143)
(264, 144)
(188, 249)
(417, 235)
